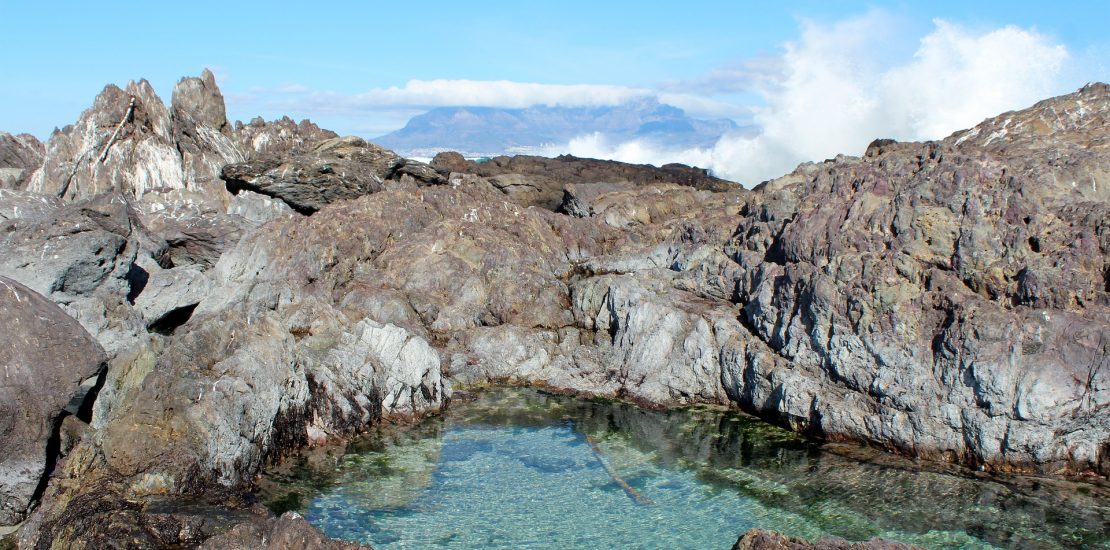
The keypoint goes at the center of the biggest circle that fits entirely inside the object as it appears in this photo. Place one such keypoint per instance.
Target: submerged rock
(288, 532)
(761, 539)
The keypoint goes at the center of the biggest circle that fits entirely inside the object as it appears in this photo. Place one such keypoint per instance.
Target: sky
(816, 77)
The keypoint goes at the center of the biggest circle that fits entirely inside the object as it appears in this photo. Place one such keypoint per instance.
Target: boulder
(81, 256)
(46, 358)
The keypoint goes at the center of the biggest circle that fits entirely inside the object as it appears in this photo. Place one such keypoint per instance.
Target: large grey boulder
(81, 257)
(45, 356)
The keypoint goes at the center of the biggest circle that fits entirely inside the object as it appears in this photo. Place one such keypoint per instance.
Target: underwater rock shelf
(517, 468)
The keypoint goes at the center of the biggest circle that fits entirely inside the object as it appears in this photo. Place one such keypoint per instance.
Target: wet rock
(20, 156)
(762, 539)
(335, 169)
(290, 531)
(46, 356)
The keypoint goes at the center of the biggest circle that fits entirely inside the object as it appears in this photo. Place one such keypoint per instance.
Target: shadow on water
(696, 465)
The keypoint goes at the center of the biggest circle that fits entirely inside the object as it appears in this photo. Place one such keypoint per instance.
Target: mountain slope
(492, 131)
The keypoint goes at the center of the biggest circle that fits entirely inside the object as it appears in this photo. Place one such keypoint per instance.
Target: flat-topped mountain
(492, 131)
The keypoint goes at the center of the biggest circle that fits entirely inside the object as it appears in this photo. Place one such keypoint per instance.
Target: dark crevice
(169, 322)
(137, 278)
(84, 410)
(776, 254)
(234, 186)
(53, 453)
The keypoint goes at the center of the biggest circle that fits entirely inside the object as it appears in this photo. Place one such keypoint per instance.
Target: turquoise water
(524, 469)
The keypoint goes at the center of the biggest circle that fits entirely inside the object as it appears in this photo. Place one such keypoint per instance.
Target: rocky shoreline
(246, 291)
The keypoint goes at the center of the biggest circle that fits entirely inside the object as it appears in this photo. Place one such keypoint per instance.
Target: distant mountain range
(478, 131)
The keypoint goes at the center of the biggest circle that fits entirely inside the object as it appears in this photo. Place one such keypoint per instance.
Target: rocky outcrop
(761, 539)
(280, 137)
(335, 169)
(947, 300)
(20, 156)
(129, 142)
(539, 181)
(47, 360)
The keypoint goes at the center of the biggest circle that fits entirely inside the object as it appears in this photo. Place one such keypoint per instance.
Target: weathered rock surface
(129, 142)
(279, 137)
(761, 539)
(335, 169)
(26, 205)
(20, 156)
(539, 181)
(46, 357)
(80, 257)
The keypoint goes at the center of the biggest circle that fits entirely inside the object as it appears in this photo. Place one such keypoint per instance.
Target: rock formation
(948, 300)
(20, 156)
(334, 169)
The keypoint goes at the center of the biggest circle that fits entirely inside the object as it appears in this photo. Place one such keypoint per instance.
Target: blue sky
(365, 67)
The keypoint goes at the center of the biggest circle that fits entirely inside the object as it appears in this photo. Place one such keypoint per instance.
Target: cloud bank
(834, 93)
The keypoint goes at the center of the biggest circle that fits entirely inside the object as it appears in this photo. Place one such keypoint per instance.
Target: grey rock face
(256, 208)
(45, 356)
(80, 257)
(26, 205)
(336, 169)
(20, 156)
(83, 160)
(148, 151)
(201, 133)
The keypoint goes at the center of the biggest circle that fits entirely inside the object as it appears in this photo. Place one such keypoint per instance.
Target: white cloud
(836, 93)
(472, 93)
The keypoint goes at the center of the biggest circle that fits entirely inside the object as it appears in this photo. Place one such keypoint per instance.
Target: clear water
(523, 469)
